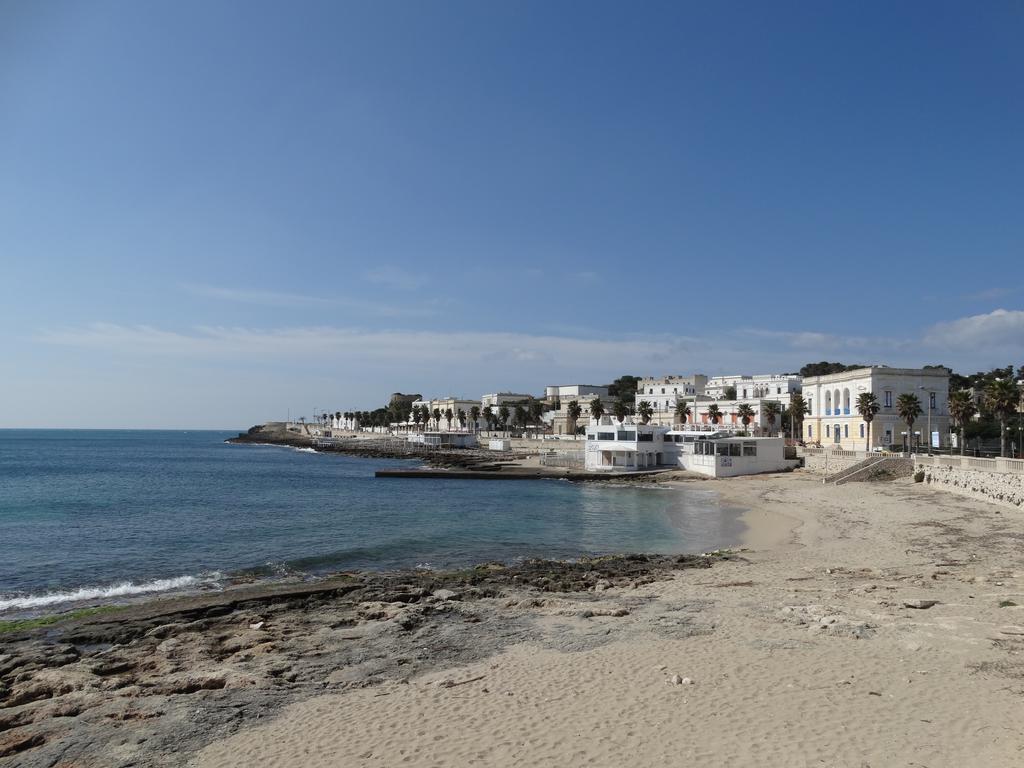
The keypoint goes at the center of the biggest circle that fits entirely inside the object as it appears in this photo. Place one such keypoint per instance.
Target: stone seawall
(1000, 487)
(835, 463)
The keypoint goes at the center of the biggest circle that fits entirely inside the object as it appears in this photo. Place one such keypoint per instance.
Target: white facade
(662, 392)
(772, 386)
(497, 399)
(631, 447)
(834, 420)
(443, 439)
(442, 404)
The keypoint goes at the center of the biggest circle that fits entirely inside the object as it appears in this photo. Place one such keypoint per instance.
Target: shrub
(919, 476)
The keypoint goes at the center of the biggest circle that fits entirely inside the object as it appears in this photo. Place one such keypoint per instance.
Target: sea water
(98, 516)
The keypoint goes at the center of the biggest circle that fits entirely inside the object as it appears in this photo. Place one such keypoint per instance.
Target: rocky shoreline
(185, 671)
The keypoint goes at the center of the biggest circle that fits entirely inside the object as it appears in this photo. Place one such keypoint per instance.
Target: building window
(605, 435)
(846, 430)
(888, 398)
(862, 430)
(931, 401)
(810, 406)
(810, 430)
(828, 430)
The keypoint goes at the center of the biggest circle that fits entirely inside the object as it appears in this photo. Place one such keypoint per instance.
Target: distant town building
(558, 397)
(775, 386)
(498, 399)
(442, 404)
(662, 392)
(834, 420)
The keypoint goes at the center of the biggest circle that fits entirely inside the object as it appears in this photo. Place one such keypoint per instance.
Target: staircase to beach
(873, 467)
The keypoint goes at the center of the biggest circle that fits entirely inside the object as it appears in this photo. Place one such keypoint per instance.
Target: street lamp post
(930, 392)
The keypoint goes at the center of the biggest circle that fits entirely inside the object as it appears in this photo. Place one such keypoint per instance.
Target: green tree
(624, 388)
(909, 409)
(729, 393)
(1001, 399)
(489, 418)
(503, 414)
(645, 411)
(521, 414)
(962, 409)
(714, 413)
(746, 414)
(474, 415)
(449, 414)
(437, 418)
(798, 408)
(682, 411)
(772, 410)
(596, 409)
(461, 416)
(868, 407)
(535, 409)
(573, 411)
(621, 410)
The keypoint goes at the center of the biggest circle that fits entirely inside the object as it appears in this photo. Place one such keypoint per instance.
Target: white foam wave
(96, 593)
(307, 450)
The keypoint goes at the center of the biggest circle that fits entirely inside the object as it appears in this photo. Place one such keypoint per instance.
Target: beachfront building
(662, 392)
(834, 420)
(632, 447)
(497, 399)
(442, 404)
(443, 439)
(558, 397)
(772, 386)
(704, 411)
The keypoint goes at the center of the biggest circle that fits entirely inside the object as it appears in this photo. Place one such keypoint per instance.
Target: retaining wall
(1000, 487)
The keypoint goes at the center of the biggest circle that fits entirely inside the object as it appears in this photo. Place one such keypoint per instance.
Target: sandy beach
(803, 653)
(871, 624)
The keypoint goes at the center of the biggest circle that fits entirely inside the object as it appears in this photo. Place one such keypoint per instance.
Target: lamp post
(930, 392)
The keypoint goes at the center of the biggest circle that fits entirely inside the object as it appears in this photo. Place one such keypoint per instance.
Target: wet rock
(446, 594)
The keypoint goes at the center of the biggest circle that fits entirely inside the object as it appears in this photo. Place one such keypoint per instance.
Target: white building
(632, 447)
(443, 439)
(558, 398)
(773, 386)
(442, 404)
(497, 399)
(663, 392)
(834, 420)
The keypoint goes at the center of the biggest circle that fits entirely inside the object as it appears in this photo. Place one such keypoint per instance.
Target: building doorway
(835, 433)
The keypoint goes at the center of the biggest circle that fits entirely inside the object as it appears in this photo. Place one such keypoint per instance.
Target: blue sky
(211, 213)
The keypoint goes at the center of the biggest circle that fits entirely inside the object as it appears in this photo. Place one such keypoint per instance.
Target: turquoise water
(95, 515)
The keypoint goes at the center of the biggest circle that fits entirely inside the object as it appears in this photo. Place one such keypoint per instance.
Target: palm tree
(645, 410)
(798, 408)
(621, 410)
(962, 409)
(909, 409)
(449, 414)
(714, 413)
(1001, 398)
(474, 415)
(437, 418)
(535, 409)
(461, 416)
(867, 407)
(746, 414)
(573, 411)
(489, 418)
(682, 411)
(596, 409)
(520, 415)
(771, 409)
(503, 414)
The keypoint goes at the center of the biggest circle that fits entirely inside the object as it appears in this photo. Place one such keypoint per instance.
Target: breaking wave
(123, 589)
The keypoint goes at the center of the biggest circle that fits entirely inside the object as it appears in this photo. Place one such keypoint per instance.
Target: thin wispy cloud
(255, 297)
(284, 300)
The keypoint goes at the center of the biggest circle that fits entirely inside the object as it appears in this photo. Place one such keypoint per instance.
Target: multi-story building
(834, 420)
(662, 392)
(772, 386)
(498, 399)
(558, 397)
(442, 404)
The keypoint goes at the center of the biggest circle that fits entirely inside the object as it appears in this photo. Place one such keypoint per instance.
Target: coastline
(503, 667)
